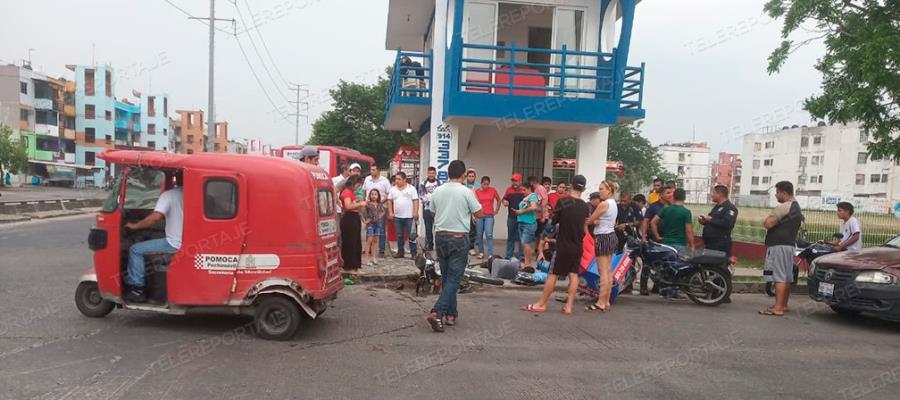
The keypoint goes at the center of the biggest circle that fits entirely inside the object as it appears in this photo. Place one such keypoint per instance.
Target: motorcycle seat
(707, 257)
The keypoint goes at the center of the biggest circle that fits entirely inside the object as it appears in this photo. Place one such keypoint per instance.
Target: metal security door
(528, 156)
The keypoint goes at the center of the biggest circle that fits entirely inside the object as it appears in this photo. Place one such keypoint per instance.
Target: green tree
(565, 148)
(356, 122)
(13, 153)
(640, 159)
(861, 66)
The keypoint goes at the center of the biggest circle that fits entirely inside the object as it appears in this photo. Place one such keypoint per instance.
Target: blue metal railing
(633, 88)
(411, 77)
(572, 73)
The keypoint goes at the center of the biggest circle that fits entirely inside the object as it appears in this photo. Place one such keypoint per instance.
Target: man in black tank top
(782, 224)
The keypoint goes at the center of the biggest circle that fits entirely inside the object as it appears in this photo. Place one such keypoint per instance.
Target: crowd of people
(544, 222)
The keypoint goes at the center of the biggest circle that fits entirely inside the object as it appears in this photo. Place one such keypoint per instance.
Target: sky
(706, 76)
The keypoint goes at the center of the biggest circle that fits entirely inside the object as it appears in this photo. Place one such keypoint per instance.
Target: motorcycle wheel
(770, 286)
(711, 292)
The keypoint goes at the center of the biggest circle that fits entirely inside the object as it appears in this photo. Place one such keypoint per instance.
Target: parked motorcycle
(429, 280)
(804, 254)
(703, 276)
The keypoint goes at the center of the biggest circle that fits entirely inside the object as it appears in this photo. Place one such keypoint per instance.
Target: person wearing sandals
(454, 206)
(373, 218)
(351, 224)
(604, 221)
(571, 213)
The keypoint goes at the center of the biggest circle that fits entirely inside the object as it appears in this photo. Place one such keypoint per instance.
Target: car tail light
(732, 261)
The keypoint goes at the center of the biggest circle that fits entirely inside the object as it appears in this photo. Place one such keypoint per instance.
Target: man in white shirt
(403, 209)
(851, 230)
(383, 185)
(170, 208)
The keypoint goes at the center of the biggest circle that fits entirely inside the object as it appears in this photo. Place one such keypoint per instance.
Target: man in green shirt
(678, 229)
(454, 205)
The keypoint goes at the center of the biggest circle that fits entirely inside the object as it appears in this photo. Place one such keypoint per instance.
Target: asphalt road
(374, 344)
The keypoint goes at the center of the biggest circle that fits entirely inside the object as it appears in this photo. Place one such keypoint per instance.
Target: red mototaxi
(259, 238)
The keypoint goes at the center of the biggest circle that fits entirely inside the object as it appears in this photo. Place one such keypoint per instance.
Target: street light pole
(297, 88)
(211, 117)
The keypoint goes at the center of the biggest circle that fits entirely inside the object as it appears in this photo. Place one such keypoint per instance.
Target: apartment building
(189, 133)
(38, 109)
(690, 163)
(95, 125)
(496, 83)
(826, 164)
(726, 171)
(154, 121)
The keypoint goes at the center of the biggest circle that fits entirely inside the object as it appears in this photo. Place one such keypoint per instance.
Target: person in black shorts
(571, 214)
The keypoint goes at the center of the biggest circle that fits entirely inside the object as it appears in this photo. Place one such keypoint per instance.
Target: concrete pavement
(374, 344)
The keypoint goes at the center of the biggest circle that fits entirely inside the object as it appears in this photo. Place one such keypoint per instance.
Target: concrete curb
(37, 206)
(740, 286)
(13, 218)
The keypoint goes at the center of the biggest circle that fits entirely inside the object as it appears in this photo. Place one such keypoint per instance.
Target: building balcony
(409, 92)
(573, 86)
(487, 82)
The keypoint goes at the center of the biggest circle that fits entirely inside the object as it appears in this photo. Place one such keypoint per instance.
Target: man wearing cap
(511, 199)
(310, 155)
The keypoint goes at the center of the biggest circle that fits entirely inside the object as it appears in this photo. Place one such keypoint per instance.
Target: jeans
(382, 236)
(136, 259)
(404, 228)
(428, 216)
(452, 257)
(485, 232)
(472, 232)
(512, 238)
(527, 233)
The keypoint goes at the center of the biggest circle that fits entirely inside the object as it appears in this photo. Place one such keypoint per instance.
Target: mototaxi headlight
(877, 277)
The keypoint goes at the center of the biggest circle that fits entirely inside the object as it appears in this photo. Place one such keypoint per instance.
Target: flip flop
(565, 312)
(769, 313)
(532, 309)
(594, 307)
(786, 310)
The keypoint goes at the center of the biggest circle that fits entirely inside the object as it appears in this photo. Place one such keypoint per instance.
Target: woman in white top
(606, 242)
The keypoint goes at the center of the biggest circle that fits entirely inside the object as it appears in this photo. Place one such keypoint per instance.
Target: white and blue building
(95, 109)
(496, 83)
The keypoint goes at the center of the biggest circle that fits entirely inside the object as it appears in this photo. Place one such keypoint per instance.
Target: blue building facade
(154, 115)
(95, 108)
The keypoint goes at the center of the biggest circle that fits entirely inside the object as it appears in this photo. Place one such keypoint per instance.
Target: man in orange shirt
(653, 197)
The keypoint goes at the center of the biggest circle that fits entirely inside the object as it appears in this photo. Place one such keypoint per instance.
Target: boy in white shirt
(851, 230)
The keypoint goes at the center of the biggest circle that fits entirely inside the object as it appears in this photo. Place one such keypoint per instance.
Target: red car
(259, 238)
(853, 282)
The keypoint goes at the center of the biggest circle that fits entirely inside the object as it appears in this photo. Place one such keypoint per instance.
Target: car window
(220, 199)
(112, 201)
(143, 188)
(895, 242)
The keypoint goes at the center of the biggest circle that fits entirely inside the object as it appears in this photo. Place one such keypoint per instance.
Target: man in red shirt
(511, 199)
(490, 205)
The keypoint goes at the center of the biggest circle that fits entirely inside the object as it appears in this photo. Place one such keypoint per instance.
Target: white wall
(696, 167)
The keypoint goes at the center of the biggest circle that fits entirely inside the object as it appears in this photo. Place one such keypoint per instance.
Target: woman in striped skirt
(604, 221)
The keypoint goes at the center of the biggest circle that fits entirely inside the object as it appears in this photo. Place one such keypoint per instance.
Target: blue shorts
(526, 233)
(373, 230)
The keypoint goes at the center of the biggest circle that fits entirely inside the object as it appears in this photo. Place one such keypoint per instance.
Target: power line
(258, 81)
(258, 55)
(265, 46)
(191, 16)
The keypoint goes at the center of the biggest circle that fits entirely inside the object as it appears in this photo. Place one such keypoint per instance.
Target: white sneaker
(472, 252)
(374, 262)
(481, 256)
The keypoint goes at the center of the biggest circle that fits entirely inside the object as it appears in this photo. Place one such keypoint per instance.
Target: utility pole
(297, 88)
(211, 112)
